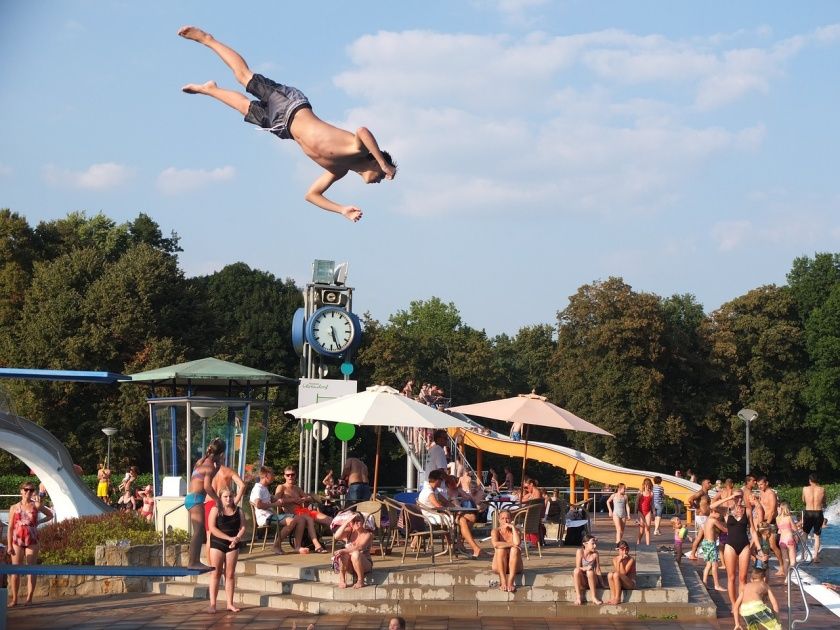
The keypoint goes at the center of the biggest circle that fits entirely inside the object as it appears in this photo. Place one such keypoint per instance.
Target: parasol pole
(376, 462)
(525, 455)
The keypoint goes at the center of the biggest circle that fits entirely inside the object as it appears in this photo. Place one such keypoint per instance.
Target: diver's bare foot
(358, 584)
(194, 33)
(199, 567)
(198, 88)
(13, 603)
(233, 608)
(342, 583)
(720, 588)
(211, 610)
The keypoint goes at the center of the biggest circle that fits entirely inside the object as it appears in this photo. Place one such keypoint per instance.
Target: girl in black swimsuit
(736, 551)
(227, 527)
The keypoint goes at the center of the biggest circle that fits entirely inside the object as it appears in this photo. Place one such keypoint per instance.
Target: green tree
(18, 252)
(85, 312)
(248, 316)
(812, 280)
(823, 389)
(757, 351)
(428, 342)
(607, 370)
(685, 387)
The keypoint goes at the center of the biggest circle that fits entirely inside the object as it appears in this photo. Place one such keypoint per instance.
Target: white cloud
(95, 177)
(730, 234)
(174, 181)
(604, 122)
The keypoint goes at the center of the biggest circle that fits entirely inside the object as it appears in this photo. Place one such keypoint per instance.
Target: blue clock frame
(355, 326)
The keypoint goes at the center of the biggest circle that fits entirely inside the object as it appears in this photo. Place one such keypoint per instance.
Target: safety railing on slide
(415, 442)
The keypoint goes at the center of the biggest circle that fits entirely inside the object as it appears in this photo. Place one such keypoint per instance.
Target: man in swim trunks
(813, 496)
(286, 112)
(297, 502)
(103, 485)
(264, 506)
(355, 475)
(770, 505)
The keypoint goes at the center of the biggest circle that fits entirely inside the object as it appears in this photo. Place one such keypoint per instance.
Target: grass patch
(74, 541)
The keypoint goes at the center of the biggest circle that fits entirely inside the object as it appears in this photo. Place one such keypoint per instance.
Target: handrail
(802, 543)
(792, 622)
(163, 534)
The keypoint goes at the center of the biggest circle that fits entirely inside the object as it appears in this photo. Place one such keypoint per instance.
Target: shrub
(74, 541)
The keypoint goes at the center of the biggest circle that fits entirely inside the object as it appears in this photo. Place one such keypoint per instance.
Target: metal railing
(794, 570)
(163, 535)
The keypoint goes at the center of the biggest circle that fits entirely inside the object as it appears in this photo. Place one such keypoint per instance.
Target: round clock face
(332, 330)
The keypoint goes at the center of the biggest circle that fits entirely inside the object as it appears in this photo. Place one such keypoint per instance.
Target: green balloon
(344, 431)
(307, 426)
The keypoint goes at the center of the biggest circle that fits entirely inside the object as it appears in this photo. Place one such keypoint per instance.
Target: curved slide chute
(574, 462)
(49, 459)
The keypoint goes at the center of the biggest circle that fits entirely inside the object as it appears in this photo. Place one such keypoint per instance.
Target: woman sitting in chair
(354, 557)
(507, 558)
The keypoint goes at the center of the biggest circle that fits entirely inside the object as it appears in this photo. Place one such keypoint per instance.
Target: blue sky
(688, 148)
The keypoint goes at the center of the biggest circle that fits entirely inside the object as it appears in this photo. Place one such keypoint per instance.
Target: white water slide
(49, 459)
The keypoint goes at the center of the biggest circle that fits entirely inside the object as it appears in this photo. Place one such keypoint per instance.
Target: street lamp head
(748, 415)
(109, 431)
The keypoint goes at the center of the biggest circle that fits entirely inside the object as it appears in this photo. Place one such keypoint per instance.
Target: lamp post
(748, 415)
(109, 431)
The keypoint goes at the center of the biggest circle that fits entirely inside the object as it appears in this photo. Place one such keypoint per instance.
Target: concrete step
(461, 589)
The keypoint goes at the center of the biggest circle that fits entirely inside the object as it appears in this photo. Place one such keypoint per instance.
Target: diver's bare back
(334, 149)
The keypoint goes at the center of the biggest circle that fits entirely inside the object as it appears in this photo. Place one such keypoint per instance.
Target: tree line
(666, 378)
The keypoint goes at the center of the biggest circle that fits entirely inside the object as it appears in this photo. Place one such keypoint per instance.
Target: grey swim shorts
(276, 106)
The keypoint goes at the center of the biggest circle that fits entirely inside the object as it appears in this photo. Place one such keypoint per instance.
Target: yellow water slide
(577, 464)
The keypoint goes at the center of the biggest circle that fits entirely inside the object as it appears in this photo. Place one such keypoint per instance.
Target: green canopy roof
(210, 371)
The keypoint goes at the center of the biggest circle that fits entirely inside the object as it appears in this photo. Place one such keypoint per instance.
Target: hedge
(74, 540)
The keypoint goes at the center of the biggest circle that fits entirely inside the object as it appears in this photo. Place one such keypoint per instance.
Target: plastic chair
(393, 509)
(256, 528)
(419, 530)
(373, 508)
(529, 519)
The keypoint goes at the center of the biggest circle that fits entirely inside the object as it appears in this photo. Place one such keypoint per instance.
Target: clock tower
(326, 330)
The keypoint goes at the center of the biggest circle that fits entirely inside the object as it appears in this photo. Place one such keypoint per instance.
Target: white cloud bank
(96, 177)
(175, 181)
(604, 122)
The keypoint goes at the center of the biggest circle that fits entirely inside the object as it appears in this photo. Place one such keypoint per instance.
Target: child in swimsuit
(680, 536)
(787, 543)
(754, 605)
(617, 506)
(762, 555)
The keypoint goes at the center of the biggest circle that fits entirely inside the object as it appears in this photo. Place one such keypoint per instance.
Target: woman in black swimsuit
(740, 537)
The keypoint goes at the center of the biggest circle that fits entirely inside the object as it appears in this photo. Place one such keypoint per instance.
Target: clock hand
(334, 336)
